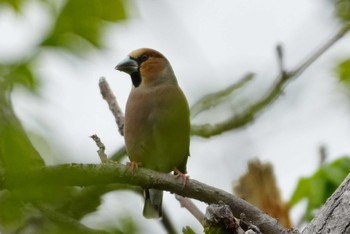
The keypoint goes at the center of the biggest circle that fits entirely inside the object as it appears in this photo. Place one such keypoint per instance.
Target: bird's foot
(179, 174)
(133, 166)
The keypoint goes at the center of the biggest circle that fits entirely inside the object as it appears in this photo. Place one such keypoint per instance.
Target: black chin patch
(136, 79)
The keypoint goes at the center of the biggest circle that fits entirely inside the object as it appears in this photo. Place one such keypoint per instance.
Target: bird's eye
(144, 57)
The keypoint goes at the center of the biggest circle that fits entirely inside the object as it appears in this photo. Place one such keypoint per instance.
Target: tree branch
(334, 215)
(214, 99)
(191, 207)
(313, 57)
(108, 95)
(101, 148)
(119, 154)
(92, 174)
(208, 130)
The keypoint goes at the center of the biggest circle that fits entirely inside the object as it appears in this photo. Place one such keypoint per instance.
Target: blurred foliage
(19, 73)
(16, 151)
(187, 230)
(78, 20)
(342, 12)
(15, 4)
(343, 72)
(18, 156)
(321, 185)
(127, 226)
(258, 186)
(77, 27)
(342, 9)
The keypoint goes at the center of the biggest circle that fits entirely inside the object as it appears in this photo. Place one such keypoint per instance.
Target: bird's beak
(128, 65)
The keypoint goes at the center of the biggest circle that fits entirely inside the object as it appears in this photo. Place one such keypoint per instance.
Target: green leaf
(78, 22)
(342, 9)
(317, 188)
(12, 210)
(343, 71)
(187, 230)
(334, 175)
(16, 151)
(316, 194)
(301, 191)
(20, 73)
(15, 4)
(343, 163)
(112, 10)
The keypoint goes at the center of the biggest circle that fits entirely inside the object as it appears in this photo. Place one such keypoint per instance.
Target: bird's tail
(153, 203)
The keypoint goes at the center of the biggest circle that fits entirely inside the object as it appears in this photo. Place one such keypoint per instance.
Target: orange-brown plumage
(157, 125)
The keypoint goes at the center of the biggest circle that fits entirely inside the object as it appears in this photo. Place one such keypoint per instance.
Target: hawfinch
(157, 120)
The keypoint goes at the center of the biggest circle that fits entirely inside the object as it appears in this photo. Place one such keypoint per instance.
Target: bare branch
(219, 219)
(280, 58)
(214, 99)
(313, 57)
(101, 148)
(120, 154)
(208, 130)
(108, 95)
(191, 207)
(167, 224)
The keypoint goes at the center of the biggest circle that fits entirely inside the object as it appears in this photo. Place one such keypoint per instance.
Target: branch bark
(92, 174)
(334, 216)
(108, 95)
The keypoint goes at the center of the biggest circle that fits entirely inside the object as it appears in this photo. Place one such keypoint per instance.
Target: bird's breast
(157, 128)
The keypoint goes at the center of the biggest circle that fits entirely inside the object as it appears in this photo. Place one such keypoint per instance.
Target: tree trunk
(334, 216)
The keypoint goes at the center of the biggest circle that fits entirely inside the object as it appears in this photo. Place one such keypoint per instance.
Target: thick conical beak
(128, 65)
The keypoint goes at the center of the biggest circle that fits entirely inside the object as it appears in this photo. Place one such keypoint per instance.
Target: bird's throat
(136, 79)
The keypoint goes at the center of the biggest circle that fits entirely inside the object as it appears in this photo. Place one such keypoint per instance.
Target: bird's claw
(184, 177)
(133, 166)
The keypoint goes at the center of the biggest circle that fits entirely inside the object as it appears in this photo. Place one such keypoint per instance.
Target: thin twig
(214, 99)
(108, 95)
(101, 148)
(238, 121)
(119, 154)
(167, 223)
(191, 207)
(322, 155)
(313, 57)
(280, 58)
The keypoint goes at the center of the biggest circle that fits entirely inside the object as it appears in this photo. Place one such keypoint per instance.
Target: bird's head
(147, 67)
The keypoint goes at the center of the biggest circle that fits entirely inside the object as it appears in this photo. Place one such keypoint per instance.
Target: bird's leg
(179, 174)
(133, 165)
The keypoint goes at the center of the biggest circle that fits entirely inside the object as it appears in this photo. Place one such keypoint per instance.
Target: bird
(157, 120)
